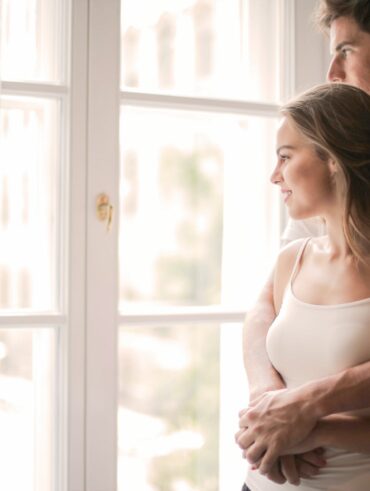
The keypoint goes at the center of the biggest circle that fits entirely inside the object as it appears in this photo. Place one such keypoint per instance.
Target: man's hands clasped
(276, 425)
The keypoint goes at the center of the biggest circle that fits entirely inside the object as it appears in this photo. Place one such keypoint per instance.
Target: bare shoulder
(288, 255)
(284, 268)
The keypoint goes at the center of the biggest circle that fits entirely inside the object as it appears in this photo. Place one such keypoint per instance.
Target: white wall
(311, 49)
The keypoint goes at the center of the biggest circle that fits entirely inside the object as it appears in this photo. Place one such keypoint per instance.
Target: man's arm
(346, 391)
(280, 420)
(262, 376)
(348, 432)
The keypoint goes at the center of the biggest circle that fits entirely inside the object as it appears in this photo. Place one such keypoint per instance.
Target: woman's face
(305, 180)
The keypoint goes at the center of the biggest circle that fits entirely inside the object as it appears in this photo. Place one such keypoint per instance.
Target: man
(278, 418)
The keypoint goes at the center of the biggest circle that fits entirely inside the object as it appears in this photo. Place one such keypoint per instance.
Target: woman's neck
(336, 246)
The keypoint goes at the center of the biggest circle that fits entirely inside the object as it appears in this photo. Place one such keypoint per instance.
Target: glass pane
(27, 410)
(174, 434)
(31, 40)
(199, 216)
(201, 47)
(29, 195)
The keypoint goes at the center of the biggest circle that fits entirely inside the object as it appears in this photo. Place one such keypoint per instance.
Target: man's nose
(335, 72)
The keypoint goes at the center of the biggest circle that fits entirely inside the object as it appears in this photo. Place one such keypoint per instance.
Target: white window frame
(102, 147)
(295, 75)
(87, 371)
(58, 320)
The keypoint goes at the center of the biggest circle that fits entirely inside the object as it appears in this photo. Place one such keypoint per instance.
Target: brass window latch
(104, 210)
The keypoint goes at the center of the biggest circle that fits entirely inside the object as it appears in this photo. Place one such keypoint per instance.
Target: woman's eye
(284, 157)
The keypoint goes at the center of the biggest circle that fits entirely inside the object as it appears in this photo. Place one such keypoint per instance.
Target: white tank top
(307, 342)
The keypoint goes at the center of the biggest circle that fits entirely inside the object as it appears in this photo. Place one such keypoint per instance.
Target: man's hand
(255, 393)
(274, 423)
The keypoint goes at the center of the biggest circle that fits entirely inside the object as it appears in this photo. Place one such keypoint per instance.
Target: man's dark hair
(329, 10)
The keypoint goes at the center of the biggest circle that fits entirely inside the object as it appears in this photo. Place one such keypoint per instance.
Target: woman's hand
(309, 463)
(292, 468)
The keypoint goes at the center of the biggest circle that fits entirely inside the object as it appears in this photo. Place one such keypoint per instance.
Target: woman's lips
(286, 194)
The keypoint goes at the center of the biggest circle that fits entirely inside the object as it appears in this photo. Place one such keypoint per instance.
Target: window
(198, 230)
(33, 173)
(137, 225)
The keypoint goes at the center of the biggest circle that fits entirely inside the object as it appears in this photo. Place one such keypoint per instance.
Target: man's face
(350, 50)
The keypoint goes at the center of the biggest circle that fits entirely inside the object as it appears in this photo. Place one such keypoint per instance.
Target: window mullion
(33, 89)
(177, 316)
(220, 106)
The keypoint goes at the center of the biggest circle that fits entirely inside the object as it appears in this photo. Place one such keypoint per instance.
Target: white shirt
(298, 229)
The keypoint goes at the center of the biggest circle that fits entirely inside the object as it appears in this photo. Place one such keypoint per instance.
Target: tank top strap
(298, 259)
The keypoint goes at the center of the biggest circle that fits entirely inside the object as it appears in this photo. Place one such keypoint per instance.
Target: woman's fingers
(269, 456)
(314, 457)
(275, 474)
(305, 469)
(289, 469)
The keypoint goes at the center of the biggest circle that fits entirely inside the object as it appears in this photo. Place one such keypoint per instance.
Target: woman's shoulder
(288, 253)
(284, 266)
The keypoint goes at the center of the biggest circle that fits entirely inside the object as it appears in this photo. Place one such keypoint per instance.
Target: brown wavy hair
(336, 119)
(329, 10)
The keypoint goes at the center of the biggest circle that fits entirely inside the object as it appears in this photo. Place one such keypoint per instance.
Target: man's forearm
(260, 373)
(347, 432)
(351, 433)
(345, 391)
(279, 421)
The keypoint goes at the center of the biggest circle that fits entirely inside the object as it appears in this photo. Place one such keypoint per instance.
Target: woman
(322, 285)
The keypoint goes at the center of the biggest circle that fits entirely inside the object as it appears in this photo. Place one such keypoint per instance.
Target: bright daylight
(121, 352)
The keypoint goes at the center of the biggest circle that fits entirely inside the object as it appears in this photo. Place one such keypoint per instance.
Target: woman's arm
(261, 375)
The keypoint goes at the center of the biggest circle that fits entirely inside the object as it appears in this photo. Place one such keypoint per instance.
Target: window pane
(199, 216)
(29, 194)
(31, 40)
(201, 47)
(174, 435)
(27, 411)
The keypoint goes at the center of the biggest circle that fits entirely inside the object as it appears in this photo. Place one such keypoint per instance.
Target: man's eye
(284, 157)
(344, 52)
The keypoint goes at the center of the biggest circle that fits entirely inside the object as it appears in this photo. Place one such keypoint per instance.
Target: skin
(286, 417)
(308, 189)
(350, 51)
(305, 182)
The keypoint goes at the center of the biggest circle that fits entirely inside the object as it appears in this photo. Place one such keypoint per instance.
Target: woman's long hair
(336, 119)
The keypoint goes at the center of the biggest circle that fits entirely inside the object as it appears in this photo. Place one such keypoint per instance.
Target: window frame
(295, 76)
(58, 320)
(154, 100)
(87, 374)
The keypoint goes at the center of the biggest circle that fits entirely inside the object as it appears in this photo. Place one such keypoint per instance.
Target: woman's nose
(275, 177)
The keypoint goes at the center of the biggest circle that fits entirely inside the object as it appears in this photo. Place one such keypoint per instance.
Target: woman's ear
(333, 167)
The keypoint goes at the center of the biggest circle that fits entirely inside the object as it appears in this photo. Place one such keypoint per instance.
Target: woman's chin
(299, 214)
